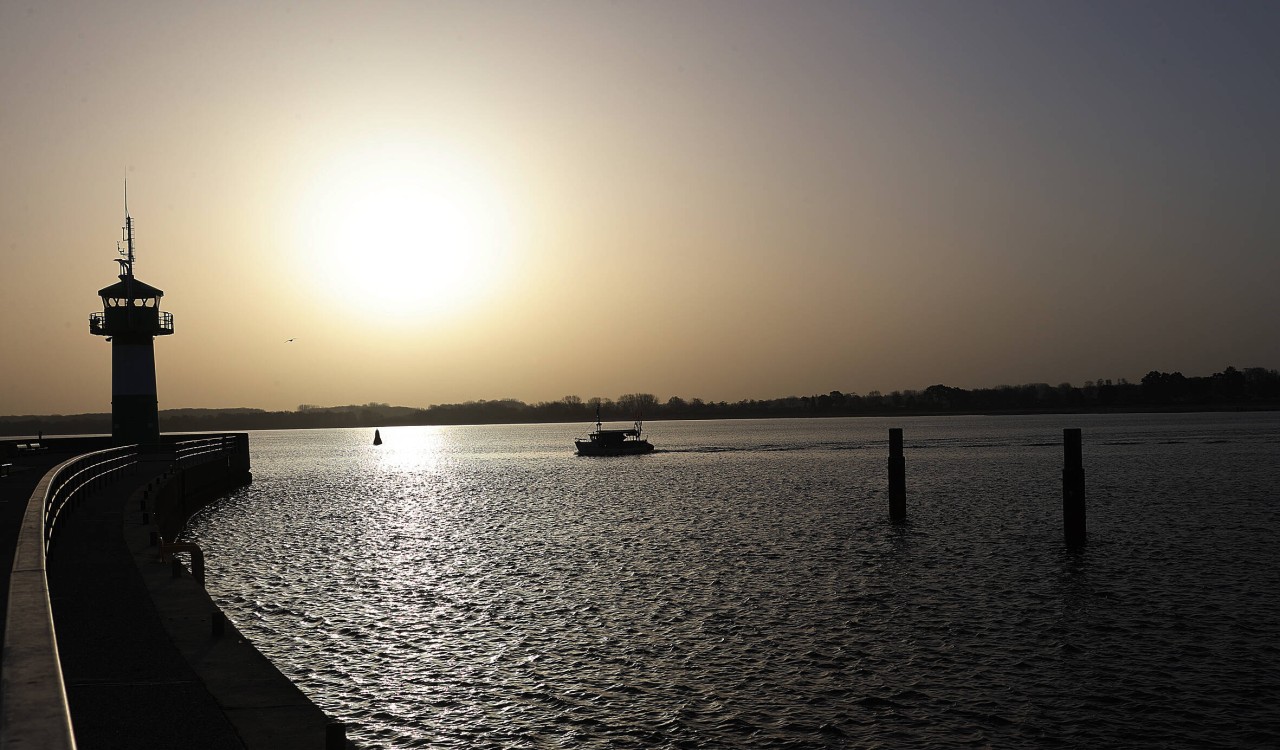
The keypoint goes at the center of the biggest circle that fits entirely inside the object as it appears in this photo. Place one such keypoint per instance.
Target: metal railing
(71, 479)
(163, 323)
(200, 450)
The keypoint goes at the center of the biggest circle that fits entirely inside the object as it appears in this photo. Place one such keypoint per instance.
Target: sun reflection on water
(412, 450)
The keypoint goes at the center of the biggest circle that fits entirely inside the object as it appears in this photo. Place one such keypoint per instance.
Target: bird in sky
(290, 341)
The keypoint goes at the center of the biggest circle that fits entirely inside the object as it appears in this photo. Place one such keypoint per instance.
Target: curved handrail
(87, 472)
(200, 449)
(35, 711)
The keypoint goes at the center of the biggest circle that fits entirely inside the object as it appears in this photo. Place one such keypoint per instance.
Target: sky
(441, 202)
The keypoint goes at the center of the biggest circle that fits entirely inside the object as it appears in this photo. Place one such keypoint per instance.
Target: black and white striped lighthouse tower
(131, 319)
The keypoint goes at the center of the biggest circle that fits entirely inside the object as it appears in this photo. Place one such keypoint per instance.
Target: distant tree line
(1251, 388)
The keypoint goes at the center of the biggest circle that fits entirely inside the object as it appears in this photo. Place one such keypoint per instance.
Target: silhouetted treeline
(1251, 388)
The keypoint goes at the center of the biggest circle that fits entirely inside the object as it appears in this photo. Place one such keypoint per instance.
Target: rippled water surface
(482, 587)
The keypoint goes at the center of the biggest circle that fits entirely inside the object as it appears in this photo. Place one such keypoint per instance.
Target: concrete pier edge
(267, 710)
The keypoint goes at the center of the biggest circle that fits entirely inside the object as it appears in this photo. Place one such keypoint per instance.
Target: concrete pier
(147, 660)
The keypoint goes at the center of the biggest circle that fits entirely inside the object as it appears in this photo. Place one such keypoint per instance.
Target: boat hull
(624, 448)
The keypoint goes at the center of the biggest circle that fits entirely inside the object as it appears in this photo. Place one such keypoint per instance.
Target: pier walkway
(127, 684)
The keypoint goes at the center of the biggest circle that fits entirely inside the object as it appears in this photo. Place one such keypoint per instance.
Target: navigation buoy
(377, 438)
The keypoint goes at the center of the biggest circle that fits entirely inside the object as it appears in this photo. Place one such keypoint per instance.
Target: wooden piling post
(897, 477)
(1073, 517)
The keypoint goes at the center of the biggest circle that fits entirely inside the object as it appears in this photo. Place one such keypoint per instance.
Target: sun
(411, 228)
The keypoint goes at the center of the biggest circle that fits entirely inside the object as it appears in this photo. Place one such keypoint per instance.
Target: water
(481, 587)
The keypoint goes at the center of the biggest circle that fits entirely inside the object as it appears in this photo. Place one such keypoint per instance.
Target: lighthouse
(131, 319)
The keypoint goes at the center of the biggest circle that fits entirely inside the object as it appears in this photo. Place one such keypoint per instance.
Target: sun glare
(412, 451)
(410, 229)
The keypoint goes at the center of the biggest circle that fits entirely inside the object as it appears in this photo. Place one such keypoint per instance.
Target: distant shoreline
(88, 424)
(1232, 390)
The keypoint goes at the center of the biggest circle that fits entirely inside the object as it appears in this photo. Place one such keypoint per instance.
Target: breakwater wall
(201, 469)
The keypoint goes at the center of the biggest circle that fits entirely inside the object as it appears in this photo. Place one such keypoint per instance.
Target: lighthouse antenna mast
(127, 238)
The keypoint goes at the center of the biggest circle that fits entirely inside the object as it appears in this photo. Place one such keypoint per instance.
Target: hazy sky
(452, 201)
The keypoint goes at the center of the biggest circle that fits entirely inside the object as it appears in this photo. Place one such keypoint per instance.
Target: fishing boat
(604, 442)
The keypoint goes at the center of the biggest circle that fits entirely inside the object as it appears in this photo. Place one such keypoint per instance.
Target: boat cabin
(612, 437)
